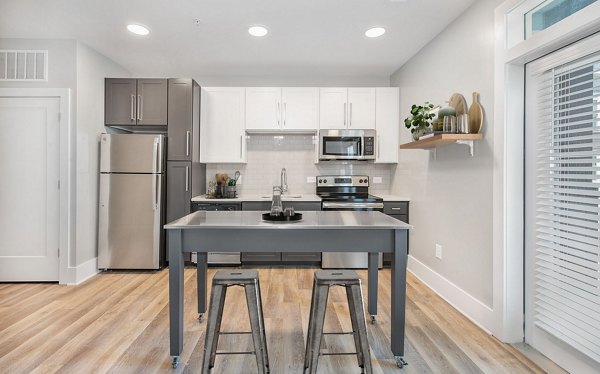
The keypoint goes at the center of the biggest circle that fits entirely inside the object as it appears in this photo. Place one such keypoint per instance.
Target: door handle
(187, 143)
(140, 103)
(187, 178)
(284, 113)
(132, 104)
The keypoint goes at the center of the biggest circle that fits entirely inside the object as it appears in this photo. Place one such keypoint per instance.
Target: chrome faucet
(283, 180)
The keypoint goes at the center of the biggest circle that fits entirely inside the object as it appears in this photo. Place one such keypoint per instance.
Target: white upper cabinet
(387, 117)
(263, 108)
(282, 109)
(347, 108)
(361, 108)
(300, 108)
(333, 108)
(222, 128)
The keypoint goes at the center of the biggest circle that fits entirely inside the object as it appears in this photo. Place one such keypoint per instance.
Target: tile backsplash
(267, 154)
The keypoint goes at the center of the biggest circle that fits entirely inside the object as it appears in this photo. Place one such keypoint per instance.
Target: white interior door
(29, 197)
(562, 206)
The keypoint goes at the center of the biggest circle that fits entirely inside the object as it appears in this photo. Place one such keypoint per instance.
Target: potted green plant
(420, 118)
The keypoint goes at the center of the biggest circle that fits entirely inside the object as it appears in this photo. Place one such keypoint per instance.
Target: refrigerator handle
(155, 155)
(155, 191)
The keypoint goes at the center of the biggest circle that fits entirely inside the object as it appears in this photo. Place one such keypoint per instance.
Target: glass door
(562, 206)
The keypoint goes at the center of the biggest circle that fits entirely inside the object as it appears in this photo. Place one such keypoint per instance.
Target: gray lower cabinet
(398, 210)
(179, 193)
(281, 257)
(135, 102)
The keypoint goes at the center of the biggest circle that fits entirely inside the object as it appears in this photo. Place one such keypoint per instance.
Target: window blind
(567, 254)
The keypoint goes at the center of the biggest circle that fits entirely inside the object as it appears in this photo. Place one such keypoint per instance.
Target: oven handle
(333, 205)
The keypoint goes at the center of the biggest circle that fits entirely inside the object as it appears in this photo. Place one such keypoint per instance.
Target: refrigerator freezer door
(131, 153)
(129, 227)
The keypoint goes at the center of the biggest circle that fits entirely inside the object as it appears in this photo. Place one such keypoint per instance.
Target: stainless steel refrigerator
(131, 203)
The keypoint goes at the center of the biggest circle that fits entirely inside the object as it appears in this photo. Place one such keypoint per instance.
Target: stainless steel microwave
(347, 145)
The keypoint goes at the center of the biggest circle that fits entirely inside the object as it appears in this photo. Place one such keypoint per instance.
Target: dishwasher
(218, 258)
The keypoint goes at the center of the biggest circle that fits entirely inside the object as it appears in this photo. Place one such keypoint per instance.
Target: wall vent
(23, 65)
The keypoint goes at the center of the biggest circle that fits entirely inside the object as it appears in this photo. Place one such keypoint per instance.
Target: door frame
(510, 57)
(66, 272)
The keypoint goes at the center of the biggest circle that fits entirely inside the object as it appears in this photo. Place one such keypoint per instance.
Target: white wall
(451, 197)
(92, 68)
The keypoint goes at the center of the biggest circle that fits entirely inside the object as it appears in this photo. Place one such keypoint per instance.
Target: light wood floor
(118, 323)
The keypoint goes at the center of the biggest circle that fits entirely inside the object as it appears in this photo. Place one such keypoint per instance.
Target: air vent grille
(23, 65)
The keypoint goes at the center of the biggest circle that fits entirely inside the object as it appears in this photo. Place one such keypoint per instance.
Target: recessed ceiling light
(138, 29)
(375, 32)
(258, 31)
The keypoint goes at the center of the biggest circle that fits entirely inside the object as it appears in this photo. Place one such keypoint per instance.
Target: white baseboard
(479, 313)
(85, 271)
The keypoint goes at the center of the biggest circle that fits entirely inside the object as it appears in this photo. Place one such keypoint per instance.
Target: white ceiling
(306, 37)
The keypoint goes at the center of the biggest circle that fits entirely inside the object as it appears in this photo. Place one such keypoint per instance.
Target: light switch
(377, 180)
(311, 179)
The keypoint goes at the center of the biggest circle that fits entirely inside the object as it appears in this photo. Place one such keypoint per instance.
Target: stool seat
(235, 276)
(334, 277)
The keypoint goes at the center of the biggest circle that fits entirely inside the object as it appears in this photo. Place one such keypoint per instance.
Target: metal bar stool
(221, 281)
(323, 280)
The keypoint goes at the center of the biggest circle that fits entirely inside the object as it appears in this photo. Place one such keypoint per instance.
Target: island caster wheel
(373, 320)
(175, 363)
(400, 362)
(200, 317)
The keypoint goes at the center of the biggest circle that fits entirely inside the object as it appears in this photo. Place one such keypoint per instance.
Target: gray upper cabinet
(152, 101)
(120, 101)
(135, 101)
(184, 119)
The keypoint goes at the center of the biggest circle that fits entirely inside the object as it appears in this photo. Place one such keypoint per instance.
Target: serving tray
(281, 217)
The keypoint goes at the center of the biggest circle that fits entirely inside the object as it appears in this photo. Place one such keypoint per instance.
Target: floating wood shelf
(440, 140)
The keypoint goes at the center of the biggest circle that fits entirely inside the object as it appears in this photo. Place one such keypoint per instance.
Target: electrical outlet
(377, 180)
(438, 251)
(311, 179)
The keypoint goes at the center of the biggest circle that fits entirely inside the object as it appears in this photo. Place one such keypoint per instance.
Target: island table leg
(398, 304)
(201, 278)
(175, 294)
(373, 282)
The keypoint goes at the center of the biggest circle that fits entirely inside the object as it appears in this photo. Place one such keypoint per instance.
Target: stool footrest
(235, 353)
(233, 332)
(340, 333)
(338, 354)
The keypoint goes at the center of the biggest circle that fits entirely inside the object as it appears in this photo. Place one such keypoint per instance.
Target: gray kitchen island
(324, 231)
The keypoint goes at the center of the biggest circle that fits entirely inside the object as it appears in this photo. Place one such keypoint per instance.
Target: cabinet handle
(140, 107)
(350, 116)
(132, 104)
(345, 113)
(187, 143)
(278, 113)
(187, 178)
(284, 113)
(241, 139)
(378, 148)
(396, 208)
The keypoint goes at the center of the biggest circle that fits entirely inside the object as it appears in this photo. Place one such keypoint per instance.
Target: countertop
(285, 197)
(265, 197)
(310, 220)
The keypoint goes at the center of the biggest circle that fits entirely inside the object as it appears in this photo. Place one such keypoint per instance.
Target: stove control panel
(343, 181)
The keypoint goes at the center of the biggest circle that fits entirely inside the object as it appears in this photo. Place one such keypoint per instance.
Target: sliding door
(562, 206)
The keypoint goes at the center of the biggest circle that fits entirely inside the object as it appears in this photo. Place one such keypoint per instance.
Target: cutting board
(475, 115)
(458, 102)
